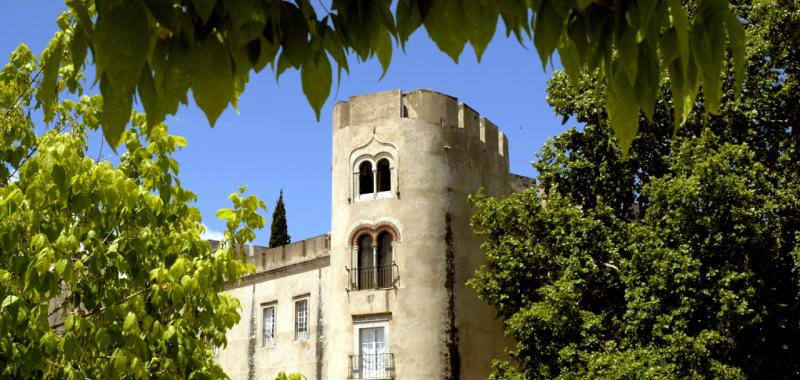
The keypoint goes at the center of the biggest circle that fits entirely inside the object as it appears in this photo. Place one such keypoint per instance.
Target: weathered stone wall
(283, 275)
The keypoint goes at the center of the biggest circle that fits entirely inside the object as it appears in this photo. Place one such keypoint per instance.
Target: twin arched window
(375, 266)
(374, 181)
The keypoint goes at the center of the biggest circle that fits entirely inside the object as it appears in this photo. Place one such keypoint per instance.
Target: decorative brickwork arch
(373, 230)
(387, 227)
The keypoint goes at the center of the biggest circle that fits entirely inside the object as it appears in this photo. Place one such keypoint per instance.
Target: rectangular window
(268, 326)
(371, 358)
(301, 319)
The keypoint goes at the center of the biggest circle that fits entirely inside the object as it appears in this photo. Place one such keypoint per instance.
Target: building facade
(383, 295)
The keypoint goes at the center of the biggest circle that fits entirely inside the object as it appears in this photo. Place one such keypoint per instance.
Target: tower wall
(441, 151)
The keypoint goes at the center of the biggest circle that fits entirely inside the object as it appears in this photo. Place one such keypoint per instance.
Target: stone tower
(403, 167)
(383, 295)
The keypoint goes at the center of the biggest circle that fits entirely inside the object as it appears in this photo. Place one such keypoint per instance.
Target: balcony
(371, 367)
(377, 277)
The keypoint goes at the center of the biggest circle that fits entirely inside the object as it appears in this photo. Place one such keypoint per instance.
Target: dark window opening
(384, 176)
(374, 263)
(365, 263)
(365, 183)
(384, 249)
(384, 268)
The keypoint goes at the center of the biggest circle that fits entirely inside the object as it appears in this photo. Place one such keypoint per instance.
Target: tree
(103, 271)
(210, 47)
(279, 234)
(681, 264)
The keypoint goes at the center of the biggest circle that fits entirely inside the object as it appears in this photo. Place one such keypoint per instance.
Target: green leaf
(384, 52)
(647, 80)
(121, 39)
(131, 324)
(681, 23)
(226, 214)
(736, 38)
(78, 9)
(172, 77)
(481, 25)
(708, 33)
(583, 4)
(445, 24)
(117, 107)
(333, 45)
(51, 61)
(266, 53)
(78, 47)
(295, 37)
(204, 8)
(408, 20)
(9, 300)
(213, 86)
(628, 51)
(646, 10)
(59, 176)
(61, 264)
(623, 110)
(316, 78)
(149, 97)
(684, 86)
(570, 59)
(546, 31)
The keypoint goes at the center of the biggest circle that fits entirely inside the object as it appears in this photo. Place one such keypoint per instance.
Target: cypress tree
(280, 231)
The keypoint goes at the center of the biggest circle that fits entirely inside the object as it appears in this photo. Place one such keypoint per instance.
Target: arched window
(373, 256)
(384, 176)
(366, 263)
(365, 179)
(385, 267)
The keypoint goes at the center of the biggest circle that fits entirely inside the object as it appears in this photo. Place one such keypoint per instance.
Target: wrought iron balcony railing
(372, 367)
(377, 277)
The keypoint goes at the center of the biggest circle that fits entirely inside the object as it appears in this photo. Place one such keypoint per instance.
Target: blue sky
(275, 142)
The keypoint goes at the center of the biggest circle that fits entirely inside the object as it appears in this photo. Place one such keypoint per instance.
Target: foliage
(280, 231)
(161, 50)
(103, 271)
(292, 376)
(677, 261)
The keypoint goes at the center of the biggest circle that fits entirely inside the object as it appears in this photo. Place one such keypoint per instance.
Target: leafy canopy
(681, 260)
(159, 50)
(103, 271)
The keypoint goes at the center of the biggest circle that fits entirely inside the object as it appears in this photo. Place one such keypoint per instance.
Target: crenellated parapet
(463, 126)
(285, 256)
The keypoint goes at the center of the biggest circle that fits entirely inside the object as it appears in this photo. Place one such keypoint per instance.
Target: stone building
(383, 295)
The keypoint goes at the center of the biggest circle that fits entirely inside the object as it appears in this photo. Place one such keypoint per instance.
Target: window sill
(374, 196)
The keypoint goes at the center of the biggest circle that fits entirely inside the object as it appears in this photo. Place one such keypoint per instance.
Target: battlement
(427, 105)
(267, 259)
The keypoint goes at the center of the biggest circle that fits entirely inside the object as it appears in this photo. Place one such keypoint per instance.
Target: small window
(268, 323)
(366, 183)
(301, 319)
(384, 176)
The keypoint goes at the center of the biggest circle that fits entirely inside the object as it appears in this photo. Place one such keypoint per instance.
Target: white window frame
(375, 194)
(266, 340)
(367, 322)
(301, 318)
